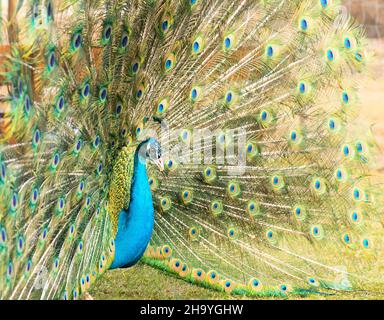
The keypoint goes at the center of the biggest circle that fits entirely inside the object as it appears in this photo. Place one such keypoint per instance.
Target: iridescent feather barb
(84, 80)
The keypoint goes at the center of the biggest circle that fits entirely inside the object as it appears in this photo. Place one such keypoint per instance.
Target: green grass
(146, 283)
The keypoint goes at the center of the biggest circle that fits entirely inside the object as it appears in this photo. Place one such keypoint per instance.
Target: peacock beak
(159, 163)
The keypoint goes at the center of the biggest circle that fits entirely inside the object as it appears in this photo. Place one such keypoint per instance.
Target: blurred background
(143, 282)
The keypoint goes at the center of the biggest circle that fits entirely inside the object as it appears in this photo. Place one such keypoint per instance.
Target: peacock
(215, 140)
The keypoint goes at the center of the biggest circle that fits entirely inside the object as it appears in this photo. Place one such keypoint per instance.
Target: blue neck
(135, 224)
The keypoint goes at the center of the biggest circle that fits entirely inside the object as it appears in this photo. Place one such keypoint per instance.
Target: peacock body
(266, 188)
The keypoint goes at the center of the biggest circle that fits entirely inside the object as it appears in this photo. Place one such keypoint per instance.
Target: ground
(143, 282)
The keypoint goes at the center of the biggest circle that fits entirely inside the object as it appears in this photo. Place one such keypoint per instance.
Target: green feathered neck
(120, 188)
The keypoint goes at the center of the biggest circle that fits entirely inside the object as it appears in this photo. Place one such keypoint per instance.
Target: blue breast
(135, 224)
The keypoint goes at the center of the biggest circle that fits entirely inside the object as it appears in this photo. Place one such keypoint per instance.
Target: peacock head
(150, 150)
